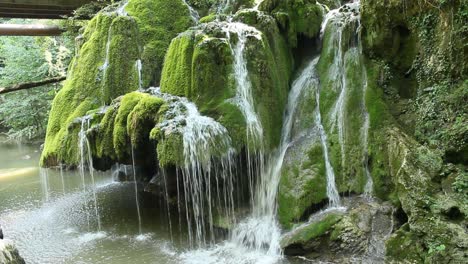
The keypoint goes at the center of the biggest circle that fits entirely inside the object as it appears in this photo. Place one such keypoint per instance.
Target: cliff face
(382, 108)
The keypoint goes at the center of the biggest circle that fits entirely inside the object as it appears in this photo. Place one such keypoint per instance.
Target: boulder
(9, 253)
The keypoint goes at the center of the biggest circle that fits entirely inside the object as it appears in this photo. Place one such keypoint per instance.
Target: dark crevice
(401, 217)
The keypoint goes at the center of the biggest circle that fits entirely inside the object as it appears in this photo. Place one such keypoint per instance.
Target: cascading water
(244, 99)
(44, 175)
(332, 191)
(203, 140)
(86, 157)
(121, 9)
(139, 67)
(193, 13)
(62, 177)
(340, 20)
(368, 189)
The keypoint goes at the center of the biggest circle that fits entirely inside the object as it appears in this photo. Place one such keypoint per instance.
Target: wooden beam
(29, 85)
(29, 30)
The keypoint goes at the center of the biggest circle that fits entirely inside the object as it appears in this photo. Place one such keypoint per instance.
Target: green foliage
(24, 114)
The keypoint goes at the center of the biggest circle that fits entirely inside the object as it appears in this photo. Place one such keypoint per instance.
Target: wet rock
(359, 232)
(122, 173)
(9, 254)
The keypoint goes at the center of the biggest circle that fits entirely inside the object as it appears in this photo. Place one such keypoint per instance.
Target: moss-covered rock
(91, 83)
(199, 66)
(306, 237)
(296, 17)
(159, 21)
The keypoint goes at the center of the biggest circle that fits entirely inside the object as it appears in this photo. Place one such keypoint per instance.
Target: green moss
(303, 183)
(209, 18)
(104, 141)
(159, 21)
(170, 150)
(142, 119)
(199, 66)
(123, 32)
(311, 231)
(120, 134)
(297, 17)
(85, 88)
(404, 246)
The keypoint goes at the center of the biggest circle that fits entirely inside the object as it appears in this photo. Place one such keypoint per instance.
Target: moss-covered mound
(200, 66)
(92, 82)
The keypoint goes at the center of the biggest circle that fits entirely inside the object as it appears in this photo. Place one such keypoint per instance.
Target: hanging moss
(120, 132)
(142, 119)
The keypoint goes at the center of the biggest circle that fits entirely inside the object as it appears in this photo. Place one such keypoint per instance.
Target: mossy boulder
(92, 83)
(200, 66)
(307, 237)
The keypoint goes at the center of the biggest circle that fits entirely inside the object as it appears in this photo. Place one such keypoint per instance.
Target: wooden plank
(29, 30)
(29, 85)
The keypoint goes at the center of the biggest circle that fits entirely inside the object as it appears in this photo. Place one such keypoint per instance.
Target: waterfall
(121, 9)
(139, 66)
(257, 4)
(137, 203)
(341, 18)
(193, 13)
(244, 99)
(206, 143)
(86, 156)
(368, 189)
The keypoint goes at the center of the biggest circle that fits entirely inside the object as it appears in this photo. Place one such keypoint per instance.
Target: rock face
(358, 233)
(9, 254)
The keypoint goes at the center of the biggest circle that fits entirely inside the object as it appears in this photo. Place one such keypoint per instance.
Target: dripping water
(203, 140)
(44, 175)
(136, 191)
(85, 153)
(245, 102)
(139, 67)
(62, 177)
(332, 192)
(193, 13)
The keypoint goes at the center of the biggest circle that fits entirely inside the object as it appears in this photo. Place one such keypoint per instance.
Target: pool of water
(52, 219)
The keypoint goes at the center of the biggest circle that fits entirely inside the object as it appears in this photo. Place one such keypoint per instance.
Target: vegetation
(24, 114)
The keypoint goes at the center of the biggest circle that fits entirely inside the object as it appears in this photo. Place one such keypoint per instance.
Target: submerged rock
(9, 254)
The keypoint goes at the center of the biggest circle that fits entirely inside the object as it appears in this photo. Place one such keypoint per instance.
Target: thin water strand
(332, 191)
(137, 202)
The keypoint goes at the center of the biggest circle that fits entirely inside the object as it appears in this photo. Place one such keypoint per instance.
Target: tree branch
(29, 85)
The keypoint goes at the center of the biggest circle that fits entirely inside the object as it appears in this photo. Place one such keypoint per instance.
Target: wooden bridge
(53, 9)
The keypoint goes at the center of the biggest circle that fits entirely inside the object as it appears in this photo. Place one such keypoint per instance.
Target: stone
(9, 253)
